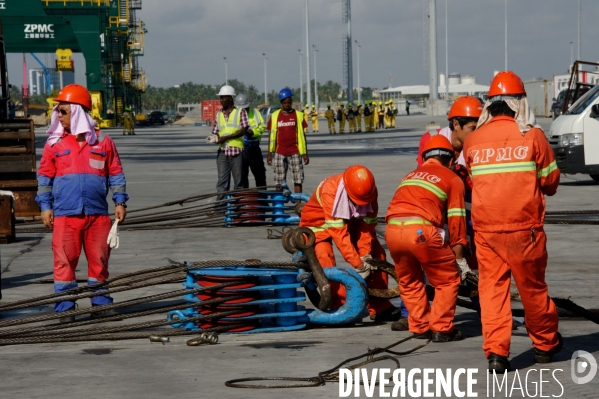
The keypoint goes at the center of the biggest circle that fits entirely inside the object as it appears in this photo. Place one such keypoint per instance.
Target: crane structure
(46, 74)
(106, 32)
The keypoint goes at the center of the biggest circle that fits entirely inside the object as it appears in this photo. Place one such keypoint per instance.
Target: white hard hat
(226, 91)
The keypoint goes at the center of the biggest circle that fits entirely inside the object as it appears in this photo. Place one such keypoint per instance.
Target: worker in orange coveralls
(416, 241)
(512, 167)
(343, 210)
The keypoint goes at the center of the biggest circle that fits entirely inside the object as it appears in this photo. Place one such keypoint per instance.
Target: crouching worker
(416, 241)
(77, 167)
(343, 210)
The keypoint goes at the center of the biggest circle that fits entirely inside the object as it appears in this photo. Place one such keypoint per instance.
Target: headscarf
(524, 116)
(344, 208)
(81, 122)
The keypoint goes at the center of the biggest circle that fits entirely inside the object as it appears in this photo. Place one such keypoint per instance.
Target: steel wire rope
(127, 327)
(117, 337)
(328, 375)
(141, 275)
(131, 302)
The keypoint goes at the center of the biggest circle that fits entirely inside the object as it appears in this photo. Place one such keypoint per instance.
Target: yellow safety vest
(231, 126)
(301, 138)
(256, 123)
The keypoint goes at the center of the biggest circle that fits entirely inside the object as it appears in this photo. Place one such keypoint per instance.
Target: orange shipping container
(209, 110)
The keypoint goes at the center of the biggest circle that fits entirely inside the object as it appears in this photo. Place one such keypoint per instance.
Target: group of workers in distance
(496, 159)
(375, 115)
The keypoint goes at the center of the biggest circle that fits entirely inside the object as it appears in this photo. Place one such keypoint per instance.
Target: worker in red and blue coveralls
(78, 166)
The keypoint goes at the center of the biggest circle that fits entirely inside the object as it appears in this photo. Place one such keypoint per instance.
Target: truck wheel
(595, 177)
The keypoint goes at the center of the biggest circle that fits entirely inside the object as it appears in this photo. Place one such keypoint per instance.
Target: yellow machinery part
(64, 61)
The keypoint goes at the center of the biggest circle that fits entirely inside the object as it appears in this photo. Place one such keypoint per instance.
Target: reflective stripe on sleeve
(546, 171)
(509, 167)
(329, 224)
(426, 185)
(373, 220)
(456, 212)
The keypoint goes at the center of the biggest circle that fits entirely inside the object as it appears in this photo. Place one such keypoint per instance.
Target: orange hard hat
(75, 94)
(438, 143)
(359, 183)
(465, 107)
(506, 83)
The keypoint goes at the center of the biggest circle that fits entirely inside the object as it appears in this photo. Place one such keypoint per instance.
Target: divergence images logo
(583, 363)
(39, 31)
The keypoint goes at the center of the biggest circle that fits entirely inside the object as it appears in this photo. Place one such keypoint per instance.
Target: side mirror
(554, 99)
(595, 111)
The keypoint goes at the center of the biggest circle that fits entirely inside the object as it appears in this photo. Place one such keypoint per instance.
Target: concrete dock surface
(172, 162)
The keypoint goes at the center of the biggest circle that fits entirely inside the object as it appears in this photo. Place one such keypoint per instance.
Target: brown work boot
(400, 325)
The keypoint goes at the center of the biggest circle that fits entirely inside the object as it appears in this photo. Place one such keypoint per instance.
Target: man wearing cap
(359, 118)
(314, 116)
(230, 126)
(128, 125)
(330, 115)
(77, 167)
(381, 114)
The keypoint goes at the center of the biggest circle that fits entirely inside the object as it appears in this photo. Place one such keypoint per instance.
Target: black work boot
(390, 314)
(547, 356)
(100, 314)
(400, 325)
(455, 335)
(68, 319)
(499, 364)
(424, 335)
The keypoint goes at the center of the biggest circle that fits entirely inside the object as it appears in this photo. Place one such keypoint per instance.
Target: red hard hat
(360, 185)
(75, 94)
(440, 143)
(465, 107)
(506, 83)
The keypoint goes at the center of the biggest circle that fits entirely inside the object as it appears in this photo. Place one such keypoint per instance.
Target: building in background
(58, 80)
(458, 86)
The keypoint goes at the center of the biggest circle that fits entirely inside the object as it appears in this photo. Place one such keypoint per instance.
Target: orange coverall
(421, 202)
(511, 173)
(354, 238)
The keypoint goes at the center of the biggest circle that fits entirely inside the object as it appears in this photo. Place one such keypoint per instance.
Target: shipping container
(540, 97)
(209, 110)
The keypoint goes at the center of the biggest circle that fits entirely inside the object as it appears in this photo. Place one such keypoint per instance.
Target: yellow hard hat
(380, 103)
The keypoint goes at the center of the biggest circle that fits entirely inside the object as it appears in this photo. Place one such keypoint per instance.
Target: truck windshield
(583, 102)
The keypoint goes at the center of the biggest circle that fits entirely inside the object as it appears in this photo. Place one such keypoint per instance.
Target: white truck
(574, 136)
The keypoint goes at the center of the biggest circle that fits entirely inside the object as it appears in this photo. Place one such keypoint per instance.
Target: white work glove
(212, 139)
(113, 236)
(364, 271)
(464, 268)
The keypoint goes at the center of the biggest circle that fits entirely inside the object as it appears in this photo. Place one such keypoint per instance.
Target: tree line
(163, 98)
(160, 98)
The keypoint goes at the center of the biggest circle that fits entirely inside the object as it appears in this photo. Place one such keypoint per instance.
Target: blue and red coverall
(73, 181)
